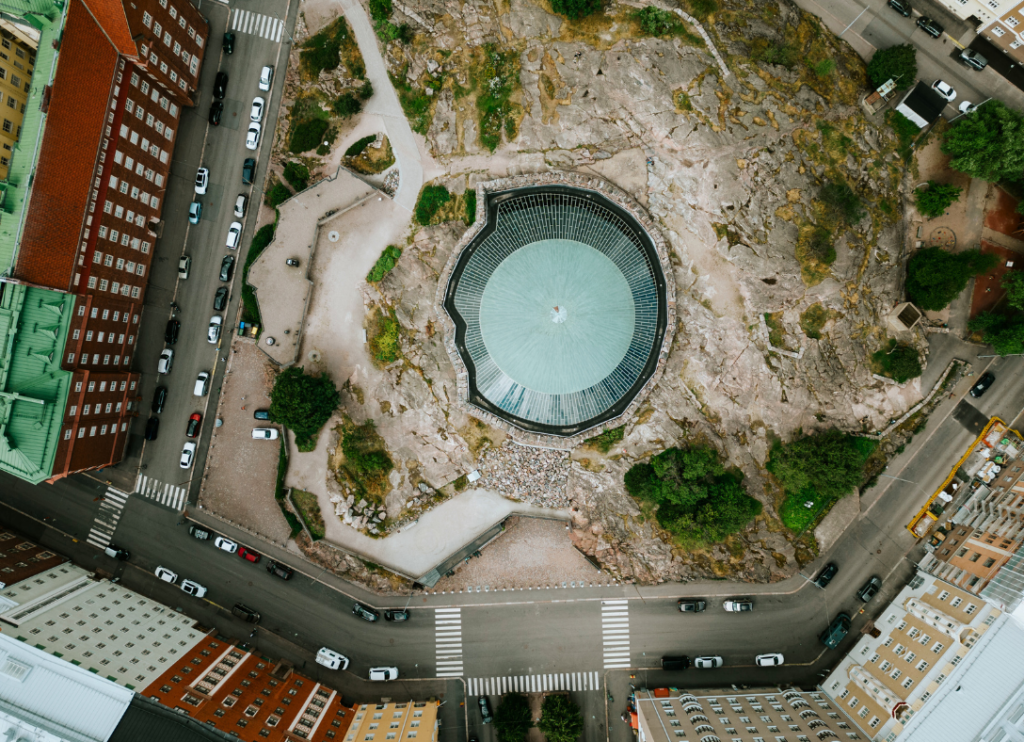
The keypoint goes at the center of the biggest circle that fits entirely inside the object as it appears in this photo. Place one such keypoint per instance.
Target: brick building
(250, 696)
(21, 558)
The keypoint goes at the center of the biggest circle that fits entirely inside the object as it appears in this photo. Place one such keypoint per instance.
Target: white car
(739, 605)
(264, 434)
(945, 90)
(252, 137)
(166, 575)
(222, 543)
(184, 266)
(234, 234)
(213, 334)
(163, 366)
(383, 673)
(188, 454)
(707, 663)
(202, 181)
(193, 588)
(769, 660)
(240, 203)
(256, 114)
(266, 77)
(202, 384)
(966, 107)
(331, 659)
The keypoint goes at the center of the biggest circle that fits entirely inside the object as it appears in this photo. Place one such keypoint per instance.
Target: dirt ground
(241, 473)
(531, 553)
(1002, 215)
(988, 289)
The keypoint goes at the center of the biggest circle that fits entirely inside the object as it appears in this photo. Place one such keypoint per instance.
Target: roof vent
(14, 670)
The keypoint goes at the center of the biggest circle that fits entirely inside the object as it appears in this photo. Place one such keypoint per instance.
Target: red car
(248, 554)
(193, 425)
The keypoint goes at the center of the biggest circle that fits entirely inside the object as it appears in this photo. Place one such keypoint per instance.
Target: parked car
(216, 111)
(166, 575)
(292, 262)
(825, 576)
(252, 136)
(331, 659)
(739, 605)
(248, 171)
(709, 662)
(264, 434)
(202, 384)
(202, 181)
(193, 588)
(225, 544)
(365, 612)
(769, 660)
(116, 552)
(945, 90)
(220, 85)
(930, 27)
(199, 532)
(836, 631)
(973, 60)
(234, 234)
(396, 615)
(171, 331)
(261, 414)
(195, 212)
(485, 709)
(227, 267)
(159, 399)
(675, 664)
(266, 78)
(983, 384)
(163, 366)
(228, 44)
(245, 613)
(184, 266)
(220, 299)
(256, 113)
(388, 673)
(188, 455)
(195, 421)
(870, 589)
(280, 570)
(902, 7)
(240, 204)
(692, 606)
(966, 107)
(213, 332)
(152, 428)
(248, 555)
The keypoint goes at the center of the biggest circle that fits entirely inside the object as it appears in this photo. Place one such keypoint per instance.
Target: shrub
(384, 264)
(297, 175)
(277, 194)
(363, 453)
(380, 10)
(906, 131)
(576, 9)
(560, 719)
(366, 90)
(307, 135)
(432, 198)
(701, 9)
(470, 200)
(842, 202)
(512, 719)
(302, 402)
(936, 277)
(347, 104)
(657, 22)
(323, 51)
(824, 68)
(904, 363)
(820, 247)
(607, 439)
(328, 139)
(897, 63)
(784, 55)
(259, 242)
(936, 198)
(385, 344)
(357, 147)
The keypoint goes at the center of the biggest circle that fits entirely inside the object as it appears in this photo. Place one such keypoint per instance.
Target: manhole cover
(942, 237)
(333, 236)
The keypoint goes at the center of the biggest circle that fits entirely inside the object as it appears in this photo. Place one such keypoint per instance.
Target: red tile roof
(111, 18)
(71, 143)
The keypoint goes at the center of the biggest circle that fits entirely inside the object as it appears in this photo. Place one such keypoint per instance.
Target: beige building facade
(18, 45)
(382, 722)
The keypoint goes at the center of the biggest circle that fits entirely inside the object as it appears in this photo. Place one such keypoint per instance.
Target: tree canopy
(560, 719)
(897, 63)
(303, 403)
(1004, 332)
(987, 144)
(936, 198)
(513, 719)
(936, 277)
(1013, 282)
(831, 463)
(576, 9)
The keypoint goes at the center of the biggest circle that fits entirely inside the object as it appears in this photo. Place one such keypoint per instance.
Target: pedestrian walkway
(168, 495)
(615, 633)
(448, 638)
(109, 514)
(574, 681)
(257, 24)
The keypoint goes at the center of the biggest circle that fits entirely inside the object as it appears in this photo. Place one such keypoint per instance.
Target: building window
(8, 125)
(996, 30)
(147, 21)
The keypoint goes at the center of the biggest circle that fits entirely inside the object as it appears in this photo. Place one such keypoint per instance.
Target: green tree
(277, 194)
(576, 9)
(936, 198)
(513, 719)
(904, 364)
(988, 144)
(936, 277)
(303, 403)
(307, 135)
(297, 175)
(560, 719)
(1013, 282)
(897, 63)
(1005, 333)
(347, 104)
(829, 463)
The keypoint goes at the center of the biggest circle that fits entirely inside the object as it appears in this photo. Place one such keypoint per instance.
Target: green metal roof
(48, 17)
(33, 387)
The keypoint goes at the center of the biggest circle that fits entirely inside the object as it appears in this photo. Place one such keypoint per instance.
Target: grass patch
(815, 254)
(309, 510)
(606, 440)
(701, 9)
(431, 199)
(682, 101)
(497, 79)
(373, 160)
(384, 337)
(326, 50)
(906, 132)
(469, 199)
(297, 175)
(384, 264)
(461, 483)
(662, 23)
(365, 463)
(813, 319)
(307, 135)
(263, 237)
(415, 103)
(776, 332)
(769, 52)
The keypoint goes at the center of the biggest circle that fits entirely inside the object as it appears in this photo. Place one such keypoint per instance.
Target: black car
(485, 709)
(396, 615)
(836, 631)
(220, 85)
(826, 575)
(152, 428)
(245, 613)
(692, 606)
(248, 170)
(216, 110)
(228, 45)
(227, 267)
(365, 612)
(159, 398)
(902, 7)
(675, 663)
(199, 532)
(261, 414)
(280, 570)
(983, 384)
(930, 27)
(870, 589)
(171, 331)
(220, 299)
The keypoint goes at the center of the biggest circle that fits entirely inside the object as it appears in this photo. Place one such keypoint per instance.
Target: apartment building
(758, 715)
(100, 626)
(18, 45)
(21, 559)
(1000, 21)
(918, 642)
(250, 696)
(390, 720)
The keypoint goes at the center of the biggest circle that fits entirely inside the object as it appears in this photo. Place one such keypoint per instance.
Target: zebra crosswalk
(257, 24)
(575, 681)
(615, 633)
(109, 514)
(448, 639)
(168, 495)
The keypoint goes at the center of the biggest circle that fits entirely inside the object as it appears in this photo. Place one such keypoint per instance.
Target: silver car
(256, 114)
(252, 137)
(709, 662)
